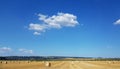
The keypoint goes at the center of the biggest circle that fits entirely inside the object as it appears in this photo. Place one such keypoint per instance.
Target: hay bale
(6, 62)
(28, 62)
(109, 62)
(47, 64)
(43, 61)
(72, 62)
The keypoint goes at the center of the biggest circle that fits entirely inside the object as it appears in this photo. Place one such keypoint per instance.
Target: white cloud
(26, 51)
(59, 20)
(36, 27)
(5, 49)
(36, 33)
(117, 22)
(55, 21)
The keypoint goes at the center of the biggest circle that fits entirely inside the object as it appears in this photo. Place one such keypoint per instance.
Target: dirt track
(61, 65)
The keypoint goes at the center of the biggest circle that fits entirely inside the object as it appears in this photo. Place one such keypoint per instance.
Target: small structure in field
(109, 62)
(47, 64)
(6, 62)
(19, 62)
(114, 62)
(43, 61)
(72, 62)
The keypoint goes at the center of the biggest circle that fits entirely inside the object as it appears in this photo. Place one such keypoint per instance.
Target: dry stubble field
(60, 65)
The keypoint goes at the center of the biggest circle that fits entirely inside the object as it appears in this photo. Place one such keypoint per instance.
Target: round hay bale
(72, 62)
(6, 62)
(109, 62)
(47, 64)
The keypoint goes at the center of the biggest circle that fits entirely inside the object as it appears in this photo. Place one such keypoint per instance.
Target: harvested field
(60, 65)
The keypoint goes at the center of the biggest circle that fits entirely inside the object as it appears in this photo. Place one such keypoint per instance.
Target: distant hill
(50, 58)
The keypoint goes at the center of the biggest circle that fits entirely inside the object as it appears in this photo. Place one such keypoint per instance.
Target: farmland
(60, 65)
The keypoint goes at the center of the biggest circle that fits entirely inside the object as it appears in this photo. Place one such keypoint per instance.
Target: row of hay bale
(113, 62)
(101, 62)
(3, 62)
(6, 62)
(47, 64)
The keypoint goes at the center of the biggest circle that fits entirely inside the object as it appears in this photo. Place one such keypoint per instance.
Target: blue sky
(85, 28)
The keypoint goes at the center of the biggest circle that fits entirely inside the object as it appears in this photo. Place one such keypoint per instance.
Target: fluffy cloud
(5, 49)
(117, 22)
(37, 27)
(55, 21)
(26, 51)
(36, 33)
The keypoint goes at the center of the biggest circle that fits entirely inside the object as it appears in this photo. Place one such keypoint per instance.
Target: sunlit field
(60, 65)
